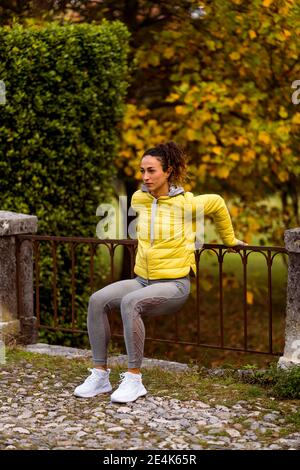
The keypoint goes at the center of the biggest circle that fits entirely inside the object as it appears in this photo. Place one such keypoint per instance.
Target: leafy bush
(287, 384)
(65, 87)
(281, 383)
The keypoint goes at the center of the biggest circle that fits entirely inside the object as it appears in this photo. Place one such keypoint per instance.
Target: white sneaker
(129, 389)
(97, 382)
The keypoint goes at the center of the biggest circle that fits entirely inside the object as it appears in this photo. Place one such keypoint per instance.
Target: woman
(162, 268)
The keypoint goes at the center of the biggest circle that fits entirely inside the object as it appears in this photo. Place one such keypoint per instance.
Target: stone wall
(16, 291)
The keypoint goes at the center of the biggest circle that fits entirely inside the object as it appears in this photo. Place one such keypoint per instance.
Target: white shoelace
(125, 379)
(93, 377)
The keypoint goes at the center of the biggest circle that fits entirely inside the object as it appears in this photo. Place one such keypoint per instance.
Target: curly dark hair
(171, 155)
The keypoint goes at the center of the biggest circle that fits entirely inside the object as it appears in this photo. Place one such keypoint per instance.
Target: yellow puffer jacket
(167, 230)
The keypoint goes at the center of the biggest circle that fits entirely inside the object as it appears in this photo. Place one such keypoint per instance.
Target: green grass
(294, 419)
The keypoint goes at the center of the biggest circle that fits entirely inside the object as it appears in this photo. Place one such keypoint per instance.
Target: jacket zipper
(147, 266)
(153, 212)
(152, 222)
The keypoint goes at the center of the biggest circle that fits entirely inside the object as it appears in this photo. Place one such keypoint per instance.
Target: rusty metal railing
(219, 251)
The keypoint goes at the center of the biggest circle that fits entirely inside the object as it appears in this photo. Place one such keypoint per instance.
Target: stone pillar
(291, 356)
(17, 319)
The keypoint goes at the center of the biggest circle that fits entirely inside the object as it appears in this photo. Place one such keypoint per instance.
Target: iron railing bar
(270, 306)
(59, 328)
(245, 305)
(197, 260)
(92, 254)
(18, 280)
(78, 239)
(36, 247)
(127, 241)
(73, 261)
(54, 280)
(220, 261)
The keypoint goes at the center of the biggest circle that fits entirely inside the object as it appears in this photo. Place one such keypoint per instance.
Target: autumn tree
(220, 84)
(226, 95)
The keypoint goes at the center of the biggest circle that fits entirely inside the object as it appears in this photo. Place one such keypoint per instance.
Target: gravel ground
(38, 411)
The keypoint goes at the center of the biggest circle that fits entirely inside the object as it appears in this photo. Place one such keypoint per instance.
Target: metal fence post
(291, 356)
(16, 278)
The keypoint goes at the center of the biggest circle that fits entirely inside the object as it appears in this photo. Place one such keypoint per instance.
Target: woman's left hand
(233, 249)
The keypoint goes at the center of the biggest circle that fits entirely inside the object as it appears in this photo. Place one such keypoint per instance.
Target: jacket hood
(174, 190)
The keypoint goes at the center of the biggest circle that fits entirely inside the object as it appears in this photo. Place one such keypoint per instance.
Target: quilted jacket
(171, 227)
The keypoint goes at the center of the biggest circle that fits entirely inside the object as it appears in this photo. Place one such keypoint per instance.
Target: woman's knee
(95, 298)
(97, 303)
(129, 306)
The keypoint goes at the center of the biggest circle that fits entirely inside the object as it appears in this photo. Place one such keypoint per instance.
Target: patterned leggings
(135, 298)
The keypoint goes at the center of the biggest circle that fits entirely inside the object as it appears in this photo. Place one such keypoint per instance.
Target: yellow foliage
(282, 35)
(241, 140)
(152, 122)
(243, 71)
(223, 172)
(211, 45)
(217, 150)
(296, 118)
(266, 179)
(235, 55)
(172, 97)
(130, 137)
(283, 176)
(193, 123)
(168, 52)
(250, 297)
(210, 138)
(212, 92)
(125, 153)
(249, 155)
(234, 156)
(128, 171)
(253, 224)
(234, 210)
(201, 169)
(284, 10)
(282, 112)
(153, 59)
(210, 98)
(246, 109)
(264, 137)
(267, 3)
(204, 116)
(240, 97)
(190, 134)
(181, 110)
(281, 130)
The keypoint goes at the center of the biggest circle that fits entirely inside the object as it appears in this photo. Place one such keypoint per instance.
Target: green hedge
(65, 89)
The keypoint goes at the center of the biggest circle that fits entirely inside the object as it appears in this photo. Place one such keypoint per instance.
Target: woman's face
(153, 175)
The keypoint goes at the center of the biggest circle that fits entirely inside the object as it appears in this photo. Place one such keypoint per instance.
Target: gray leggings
(135, 298)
